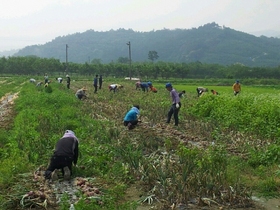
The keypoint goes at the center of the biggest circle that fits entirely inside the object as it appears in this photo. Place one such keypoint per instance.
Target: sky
(31, 22)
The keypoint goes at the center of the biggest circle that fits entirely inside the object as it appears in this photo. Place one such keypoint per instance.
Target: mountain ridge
(209, 43)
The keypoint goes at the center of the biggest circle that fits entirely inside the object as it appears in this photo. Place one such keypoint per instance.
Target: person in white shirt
(32, 80)
(115, 87)
(59, 79)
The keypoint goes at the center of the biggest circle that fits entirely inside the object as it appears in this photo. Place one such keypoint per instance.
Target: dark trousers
(235, 93)
(95, 88)
(100, 85)
(58, 162)
(173, 111)
(134, 122)
(68, 85)
(114, 89)
(144, 89)
(199, 92)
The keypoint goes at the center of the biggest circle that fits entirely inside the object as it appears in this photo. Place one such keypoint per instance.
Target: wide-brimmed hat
(84, 88)
(67, 75)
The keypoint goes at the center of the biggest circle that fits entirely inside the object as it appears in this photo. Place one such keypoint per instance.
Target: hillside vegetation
(210, 43)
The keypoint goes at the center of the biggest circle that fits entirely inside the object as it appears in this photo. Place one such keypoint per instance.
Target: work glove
(177, 105)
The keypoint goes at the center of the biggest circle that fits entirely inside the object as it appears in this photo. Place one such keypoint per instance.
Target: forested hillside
(210, 43)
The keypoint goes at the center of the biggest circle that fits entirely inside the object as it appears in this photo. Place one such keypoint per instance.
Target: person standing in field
(236, 87)
(46, 78)
(65, 154)
(131, 117)
(100, 81)
(68, 80)
(95, 83)
(200, 91)
(176, 104)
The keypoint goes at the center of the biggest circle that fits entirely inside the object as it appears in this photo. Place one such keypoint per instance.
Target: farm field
(224, 150)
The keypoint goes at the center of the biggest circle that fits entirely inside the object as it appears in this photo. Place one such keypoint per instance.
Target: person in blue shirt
(131, 117)
(144, 87)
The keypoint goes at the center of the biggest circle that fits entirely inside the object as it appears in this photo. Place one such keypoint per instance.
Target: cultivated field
(224, 150)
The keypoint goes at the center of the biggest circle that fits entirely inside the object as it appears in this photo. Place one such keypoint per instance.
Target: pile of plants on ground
(224, 150)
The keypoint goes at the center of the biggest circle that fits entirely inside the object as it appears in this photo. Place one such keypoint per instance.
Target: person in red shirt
(152, 88)
(214, 92)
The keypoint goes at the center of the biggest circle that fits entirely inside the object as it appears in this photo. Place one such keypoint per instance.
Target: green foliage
(247, 113)
(265, 156)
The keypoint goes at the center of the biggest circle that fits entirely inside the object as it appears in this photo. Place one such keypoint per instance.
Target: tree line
(32, 65)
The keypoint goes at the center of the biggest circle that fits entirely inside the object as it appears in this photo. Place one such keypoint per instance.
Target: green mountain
(209, 43)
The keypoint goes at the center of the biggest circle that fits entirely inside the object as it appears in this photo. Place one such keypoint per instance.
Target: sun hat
(84, 88)
(168, 85)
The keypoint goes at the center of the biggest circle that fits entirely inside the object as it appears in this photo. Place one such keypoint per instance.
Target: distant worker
(131, 117)
(236, 87)
(214, 92)
(81, 93)
(39, 84)
(100, 81)
(95, 83)
(32, 80)
(152, 88)
(65, 154)
(68, 80)
(200, 91)
(115, 87)
(176, 104)
(144, 87)
(59, 79)
(138, 85)
(182, 94)
(46, 78)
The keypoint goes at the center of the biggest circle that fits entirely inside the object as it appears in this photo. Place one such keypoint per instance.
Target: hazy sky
(29, 22)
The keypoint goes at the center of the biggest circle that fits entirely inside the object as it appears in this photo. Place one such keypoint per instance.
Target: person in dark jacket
(100, 81)
(68, 81)
(95, 83)
(65, 154)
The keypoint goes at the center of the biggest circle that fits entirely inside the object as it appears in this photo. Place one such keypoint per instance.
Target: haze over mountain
(209, 43)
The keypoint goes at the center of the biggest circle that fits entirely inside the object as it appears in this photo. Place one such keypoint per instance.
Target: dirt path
(6, 110)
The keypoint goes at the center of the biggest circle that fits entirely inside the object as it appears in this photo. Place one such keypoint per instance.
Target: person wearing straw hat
(64, 156)
(81, 93)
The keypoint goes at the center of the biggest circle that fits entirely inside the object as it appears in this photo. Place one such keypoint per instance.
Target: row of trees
(38, 66)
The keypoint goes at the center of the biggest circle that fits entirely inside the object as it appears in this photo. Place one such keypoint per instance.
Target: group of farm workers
(131, 118)
(236, 87)
(67, 148)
